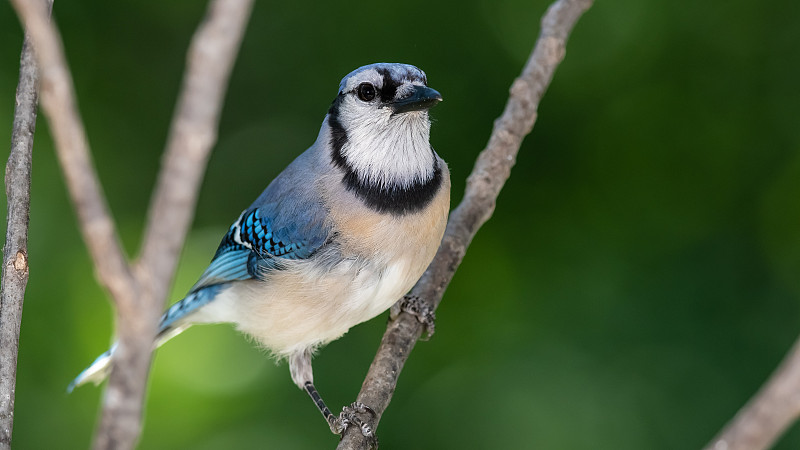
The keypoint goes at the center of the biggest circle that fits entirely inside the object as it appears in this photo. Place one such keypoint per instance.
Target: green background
(637, 283)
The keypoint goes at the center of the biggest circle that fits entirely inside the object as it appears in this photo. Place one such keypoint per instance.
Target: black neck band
(394, 199)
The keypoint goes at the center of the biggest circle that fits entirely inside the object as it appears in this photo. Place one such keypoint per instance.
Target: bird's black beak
(421, 98)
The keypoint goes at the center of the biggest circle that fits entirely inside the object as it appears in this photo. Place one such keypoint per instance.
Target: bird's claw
(418, 308)
(348, 416)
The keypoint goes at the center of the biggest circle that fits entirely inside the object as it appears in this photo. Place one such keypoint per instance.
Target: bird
(339, 236)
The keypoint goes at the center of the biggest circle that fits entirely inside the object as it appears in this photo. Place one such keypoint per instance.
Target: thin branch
(15, 251)
(491, 171)
(769, 413)
(59, 105)
(193, 133)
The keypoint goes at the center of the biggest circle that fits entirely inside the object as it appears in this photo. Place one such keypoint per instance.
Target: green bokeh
(638, 281)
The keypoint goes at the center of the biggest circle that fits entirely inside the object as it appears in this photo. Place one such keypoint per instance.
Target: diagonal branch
(15, 251)
(59, 104)
(192, 135)
(769, 413)
(491, 171)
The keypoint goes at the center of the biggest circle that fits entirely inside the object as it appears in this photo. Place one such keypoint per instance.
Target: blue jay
(337, 238)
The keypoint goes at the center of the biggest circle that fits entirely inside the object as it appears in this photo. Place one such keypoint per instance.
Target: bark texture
(15, 251)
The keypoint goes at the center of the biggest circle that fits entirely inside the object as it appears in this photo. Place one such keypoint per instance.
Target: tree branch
(769, 413)
(15, 251)
(59, 105)
(192, 134)
(490, 173)
(138, 293)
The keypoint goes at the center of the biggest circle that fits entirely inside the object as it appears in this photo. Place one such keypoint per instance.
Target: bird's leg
(348, 415)
(300, 368)
(418, 308)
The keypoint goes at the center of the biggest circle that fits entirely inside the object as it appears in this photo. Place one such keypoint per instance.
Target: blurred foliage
(637, 283)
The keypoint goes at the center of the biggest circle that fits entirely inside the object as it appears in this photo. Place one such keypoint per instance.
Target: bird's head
(379, 127)
(387, 90)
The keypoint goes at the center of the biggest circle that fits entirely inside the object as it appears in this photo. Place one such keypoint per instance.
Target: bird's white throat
(389, 151)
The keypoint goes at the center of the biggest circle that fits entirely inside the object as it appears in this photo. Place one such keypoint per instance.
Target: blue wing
(254, 245)
(286, 222)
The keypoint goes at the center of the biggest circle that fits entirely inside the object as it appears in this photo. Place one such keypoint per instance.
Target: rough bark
(490, 173)
(15, 251)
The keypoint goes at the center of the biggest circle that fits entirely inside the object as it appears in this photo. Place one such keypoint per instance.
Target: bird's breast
(372, 261)
(414, 237)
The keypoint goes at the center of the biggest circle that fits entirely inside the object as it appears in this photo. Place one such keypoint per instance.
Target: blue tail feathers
(173, 322)
(187, 306)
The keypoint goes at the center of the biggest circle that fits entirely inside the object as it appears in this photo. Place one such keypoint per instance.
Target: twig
(138, 293)
(15, 251)
(491, 170)
(769, 413)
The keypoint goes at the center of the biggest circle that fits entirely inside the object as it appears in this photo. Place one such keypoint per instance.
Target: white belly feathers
(300, 309)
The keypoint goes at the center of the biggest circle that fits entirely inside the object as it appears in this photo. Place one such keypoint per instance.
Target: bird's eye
(366, 92)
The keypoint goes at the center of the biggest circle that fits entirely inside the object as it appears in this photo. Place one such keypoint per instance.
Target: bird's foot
(349, 416)
(418, 308)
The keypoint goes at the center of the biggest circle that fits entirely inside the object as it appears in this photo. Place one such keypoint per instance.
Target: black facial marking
(389, 88)
(394, 199)
(338, 133)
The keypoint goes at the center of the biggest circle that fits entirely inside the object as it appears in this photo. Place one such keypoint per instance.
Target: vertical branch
(192, 134)
(138, 293)
(769, 413)
(492, 169)
(15, 251)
